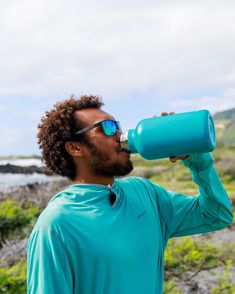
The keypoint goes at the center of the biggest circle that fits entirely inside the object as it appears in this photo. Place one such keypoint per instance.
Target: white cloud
(15, 140)
(63, 47)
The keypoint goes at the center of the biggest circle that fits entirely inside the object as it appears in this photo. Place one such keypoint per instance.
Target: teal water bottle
(172, 135)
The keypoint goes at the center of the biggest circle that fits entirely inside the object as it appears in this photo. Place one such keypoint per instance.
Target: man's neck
(94, 180)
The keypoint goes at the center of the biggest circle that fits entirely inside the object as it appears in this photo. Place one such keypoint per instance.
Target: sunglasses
(110, 127)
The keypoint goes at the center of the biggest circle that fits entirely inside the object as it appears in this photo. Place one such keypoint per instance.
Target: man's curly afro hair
(56, 127)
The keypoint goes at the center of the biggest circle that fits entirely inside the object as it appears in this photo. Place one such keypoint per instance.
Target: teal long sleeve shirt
(82, 244)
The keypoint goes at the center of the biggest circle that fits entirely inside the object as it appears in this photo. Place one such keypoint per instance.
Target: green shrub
(225, 285)
(170, 287)
(13, 279)
(186, 254)
(14, 218)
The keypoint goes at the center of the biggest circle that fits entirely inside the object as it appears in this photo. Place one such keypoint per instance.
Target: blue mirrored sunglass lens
(109, 127)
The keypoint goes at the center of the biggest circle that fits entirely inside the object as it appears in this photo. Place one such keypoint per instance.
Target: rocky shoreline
(36, 193)
(15, 169)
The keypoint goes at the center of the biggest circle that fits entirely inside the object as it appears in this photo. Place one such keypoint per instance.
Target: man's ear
(73, 148)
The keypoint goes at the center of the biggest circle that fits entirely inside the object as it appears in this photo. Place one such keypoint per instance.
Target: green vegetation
(225, 127)
(170, 287)
(225, 284)
(225, 115)
(228, 137)
(186, 257)
(13, 279)
(186, 254)
(14, 218)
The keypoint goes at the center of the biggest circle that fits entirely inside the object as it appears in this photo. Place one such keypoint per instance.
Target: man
(104, 235)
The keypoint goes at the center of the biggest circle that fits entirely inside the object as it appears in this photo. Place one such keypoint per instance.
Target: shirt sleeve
(208, 211)
(48, 267)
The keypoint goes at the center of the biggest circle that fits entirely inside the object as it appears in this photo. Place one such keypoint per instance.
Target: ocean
(11, 182)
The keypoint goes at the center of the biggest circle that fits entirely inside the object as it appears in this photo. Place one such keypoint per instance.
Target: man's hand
(175, 158)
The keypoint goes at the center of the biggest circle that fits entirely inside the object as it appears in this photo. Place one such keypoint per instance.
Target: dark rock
(15, 169)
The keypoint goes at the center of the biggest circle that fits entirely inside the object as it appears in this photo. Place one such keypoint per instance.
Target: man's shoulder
(132, 180)
(53, 213)
(136, 182)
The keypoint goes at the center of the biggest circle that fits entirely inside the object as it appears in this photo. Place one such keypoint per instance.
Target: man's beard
(99, 163)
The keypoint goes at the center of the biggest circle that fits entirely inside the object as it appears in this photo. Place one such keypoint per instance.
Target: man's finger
(175, 158)
(164, 113)
(185, 157)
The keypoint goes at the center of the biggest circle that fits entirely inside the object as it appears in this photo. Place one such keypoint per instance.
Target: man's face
(102, 153)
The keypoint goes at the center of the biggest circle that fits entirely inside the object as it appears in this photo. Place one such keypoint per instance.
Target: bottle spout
(126, 141)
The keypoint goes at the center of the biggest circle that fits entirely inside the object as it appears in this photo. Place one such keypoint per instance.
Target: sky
(142, 57)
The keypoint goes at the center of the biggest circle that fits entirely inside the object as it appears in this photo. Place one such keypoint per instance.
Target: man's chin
(117, 169)
(124, 170)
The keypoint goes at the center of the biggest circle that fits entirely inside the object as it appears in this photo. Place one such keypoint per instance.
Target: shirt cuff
(199, 162)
